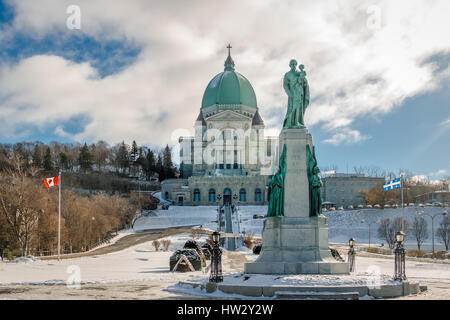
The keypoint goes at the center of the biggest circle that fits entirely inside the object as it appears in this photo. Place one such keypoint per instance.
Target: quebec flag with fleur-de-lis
(394, 184)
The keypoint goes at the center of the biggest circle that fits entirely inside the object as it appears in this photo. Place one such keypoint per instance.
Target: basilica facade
(229, 158)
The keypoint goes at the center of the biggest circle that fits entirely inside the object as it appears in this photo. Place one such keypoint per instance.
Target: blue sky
(410, 137)
(137, 72)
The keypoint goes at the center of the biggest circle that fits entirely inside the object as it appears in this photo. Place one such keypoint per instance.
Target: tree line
(29, 218)
(418, 230)
(121, 158)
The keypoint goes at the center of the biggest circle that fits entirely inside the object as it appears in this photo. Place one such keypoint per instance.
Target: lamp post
(90, 229)
(400, 257)
(432, 223)
(370, 226)
(216, 259)
(351, 254)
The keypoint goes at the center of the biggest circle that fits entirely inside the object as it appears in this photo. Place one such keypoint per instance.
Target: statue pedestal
(296, 243)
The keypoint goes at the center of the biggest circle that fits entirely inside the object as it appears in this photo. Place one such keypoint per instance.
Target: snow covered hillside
(342, 224)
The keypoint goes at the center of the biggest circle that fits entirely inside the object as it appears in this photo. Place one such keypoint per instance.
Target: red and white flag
(51, 182)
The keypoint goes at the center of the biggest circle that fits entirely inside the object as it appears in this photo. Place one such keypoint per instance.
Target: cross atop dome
(229, 63)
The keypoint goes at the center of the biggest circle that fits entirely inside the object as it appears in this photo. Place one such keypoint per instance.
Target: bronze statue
(296, 87)
(315, 193)
(276, 189)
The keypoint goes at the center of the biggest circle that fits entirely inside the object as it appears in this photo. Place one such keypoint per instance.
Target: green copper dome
(229, 87)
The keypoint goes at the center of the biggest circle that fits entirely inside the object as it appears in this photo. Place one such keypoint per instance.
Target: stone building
(342, 189)
(228, 159)
(440, 196)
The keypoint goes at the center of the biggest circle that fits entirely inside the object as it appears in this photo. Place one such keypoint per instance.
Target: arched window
(227, 192)
(257, 195)
(242, 195)
(212, 195)
(197, 195)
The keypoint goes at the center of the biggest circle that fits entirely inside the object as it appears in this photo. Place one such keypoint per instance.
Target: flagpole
(59, 215)
(403, 207)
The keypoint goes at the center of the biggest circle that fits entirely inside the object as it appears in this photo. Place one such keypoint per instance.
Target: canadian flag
(51, 182)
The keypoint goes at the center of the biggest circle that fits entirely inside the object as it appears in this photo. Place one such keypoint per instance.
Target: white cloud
(446, 122)
(353, 71)
(346, 136)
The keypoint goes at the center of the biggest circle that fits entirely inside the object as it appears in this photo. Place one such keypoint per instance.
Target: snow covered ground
(137, 263)
(140, 265)
(178, 216)
(343, 225)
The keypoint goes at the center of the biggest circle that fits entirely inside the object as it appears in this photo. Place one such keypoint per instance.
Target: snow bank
(342, 225)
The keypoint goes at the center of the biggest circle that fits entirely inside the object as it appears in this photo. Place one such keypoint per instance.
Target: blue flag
(394, 184)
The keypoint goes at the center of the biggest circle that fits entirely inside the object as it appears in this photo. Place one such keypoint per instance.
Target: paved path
(128, 241)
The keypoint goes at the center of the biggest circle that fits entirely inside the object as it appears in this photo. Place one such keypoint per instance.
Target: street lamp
(370, 223)
(432, 223)
(91, 230)
(351, 254)
(400, 257)
(216, 259)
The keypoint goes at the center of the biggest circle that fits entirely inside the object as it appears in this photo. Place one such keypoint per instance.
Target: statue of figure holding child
(297, 89)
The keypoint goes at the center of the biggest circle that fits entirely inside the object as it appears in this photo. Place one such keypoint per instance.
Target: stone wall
(235, 183)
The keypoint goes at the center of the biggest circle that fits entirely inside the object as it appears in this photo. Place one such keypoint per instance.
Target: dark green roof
(229, 87)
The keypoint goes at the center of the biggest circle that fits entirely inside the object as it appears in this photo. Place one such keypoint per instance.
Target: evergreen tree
(147, 162)
(37, 160)
(151, 160)
(85, 158)
(123, 157)
(169, 170)
(134, 154)
(151, 163)
(160, 168)
(93, 152)
(63, 161)
(47, 163)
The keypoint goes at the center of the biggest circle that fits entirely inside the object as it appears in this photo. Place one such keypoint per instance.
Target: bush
(206, 253)
(379, 251)
(248, 241)
(191, 255)
(166, 243)
(195, 234)
(191, 244)
(207, 250)
(156, 245)
(10, 255)
(417, 254)
(257, 249)
(442, 255)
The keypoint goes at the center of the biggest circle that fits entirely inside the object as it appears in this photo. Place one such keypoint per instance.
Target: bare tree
(21, 201)
(420, 230)
(444, 232)
(360, 169)
(386, 232)
(388, 229)
(401, 224)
